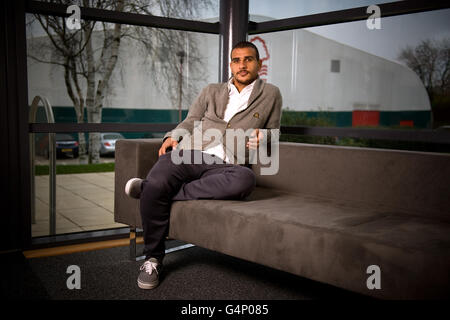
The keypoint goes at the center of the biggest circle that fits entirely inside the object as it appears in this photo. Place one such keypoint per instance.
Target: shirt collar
(248, 87)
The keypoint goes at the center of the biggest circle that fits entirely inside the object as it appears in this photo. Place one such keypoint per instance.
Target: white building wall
(300, 65)
(298, 62)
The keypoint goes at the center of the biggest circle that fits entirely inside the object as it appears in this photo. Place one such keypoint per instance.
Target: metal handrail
(52, 160)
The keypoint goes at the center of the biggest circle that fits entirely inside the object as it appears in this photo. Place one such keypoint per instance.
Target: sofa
(372, 221)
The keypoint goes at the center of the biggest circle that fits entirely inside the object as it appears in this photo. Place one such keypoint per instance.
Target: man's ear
(259, 65)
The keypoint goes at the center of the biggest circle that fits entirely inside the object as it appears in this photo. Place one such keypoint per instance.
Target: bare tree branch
(431, 61)
(92, 53)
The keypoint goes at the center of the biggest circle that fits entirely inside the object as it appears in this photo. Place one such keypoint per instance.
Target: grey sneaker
(149, 276)
(133, 188)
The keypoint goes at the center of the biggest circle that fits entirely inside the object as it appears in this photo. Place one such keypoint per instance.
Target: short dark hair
(245, 44)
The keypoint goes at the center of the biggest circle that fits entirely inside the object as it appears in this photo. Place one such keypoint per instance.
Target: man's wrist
(165, 138)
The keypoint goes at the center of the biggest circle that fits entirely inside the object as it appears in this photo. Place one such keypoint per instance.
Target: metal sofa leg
(185, 246)
(133, 256)
(133, 237)
(132, 243)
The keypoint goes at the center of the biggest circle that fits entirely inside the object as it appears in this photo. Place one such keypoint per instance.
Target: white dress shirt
(237, 101)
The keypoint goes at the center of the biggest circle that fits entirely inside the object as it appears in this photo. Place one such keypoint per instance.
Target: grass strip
(42, 170)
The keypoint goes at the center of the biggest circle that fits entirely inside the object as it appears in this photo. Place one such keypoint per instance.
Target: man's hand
(169, 142)
(255, 137)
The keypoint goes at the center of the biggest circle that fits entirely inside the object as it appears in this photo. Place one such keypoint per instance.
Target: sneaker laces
(149, 266)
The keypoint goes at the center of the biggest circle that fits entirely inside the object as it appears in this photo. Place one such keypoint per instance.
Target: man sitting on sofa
(208, 170)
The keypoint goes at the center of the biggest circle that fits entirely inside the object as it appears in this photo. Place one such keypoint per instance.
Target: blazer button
(228, 125)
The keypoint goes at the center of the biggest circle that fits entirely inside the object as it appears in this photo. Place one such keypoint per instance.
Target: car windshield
(64, 137)
(112, 136)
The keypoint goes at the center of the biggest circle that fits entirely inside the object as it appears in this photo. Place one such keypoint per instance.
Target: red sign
(365, 118)
(263, 56)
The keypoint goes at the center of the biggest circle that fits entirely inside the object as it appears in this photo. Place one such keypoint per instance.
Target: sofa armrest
(134, 158)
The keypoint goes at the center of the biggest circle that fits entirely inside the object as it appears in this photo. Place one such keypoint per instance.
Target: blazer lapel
(223, 100)
(256, 92)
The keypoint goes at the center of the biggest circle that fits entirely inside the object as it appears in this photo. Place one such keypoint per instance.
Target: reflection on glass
(349, 75)
(116, 73)
(346, 86)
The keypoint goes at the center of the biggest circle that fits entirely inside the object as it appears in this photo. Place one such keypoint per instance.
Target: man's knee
(245, 182)
(153, 189)
(163, 169)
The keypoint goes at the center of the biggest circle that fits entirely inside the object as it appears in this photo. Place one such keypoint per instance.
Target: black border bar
(347, 15)
(100, 127)
(94, 14)
(422, 135)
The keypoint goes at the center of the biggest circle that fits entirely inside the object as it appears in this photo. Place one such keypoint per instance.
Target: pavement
(84, 202)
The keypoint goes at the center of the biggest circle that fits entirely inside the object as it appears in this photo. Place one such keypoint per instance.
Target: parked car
(108, 143)
(66, 145)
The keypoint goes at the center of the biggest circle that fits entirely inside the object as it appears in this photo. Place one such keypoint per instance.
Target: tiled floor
(83, 202)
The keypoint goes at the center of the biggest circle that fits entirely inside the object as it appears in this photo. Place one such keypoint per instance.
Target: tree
(431, 61)
(89, 61)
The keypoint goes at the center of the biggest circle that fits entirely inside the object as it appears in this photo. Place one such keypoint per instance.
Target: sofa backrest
(412, 182)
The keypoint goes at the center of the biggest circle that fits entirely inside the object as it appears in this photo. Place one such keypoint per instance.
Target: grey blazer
(207, 112)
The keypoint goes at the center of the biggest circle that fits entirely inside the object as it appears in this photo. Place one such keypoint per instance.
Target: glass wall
(117, 73)
(342, 75)
(350, 75)
(105, 73)
(84, 193)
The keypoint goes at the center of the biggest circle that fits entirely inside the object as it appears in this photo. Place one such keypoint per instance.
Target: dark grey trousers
(167, 182)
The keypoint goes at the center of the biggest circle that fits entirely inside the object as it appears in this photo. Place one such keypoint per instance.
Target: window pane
(265, 10)
(143, 84)
(347, 75)
(116, 73)
(84, 192)
(154, 79)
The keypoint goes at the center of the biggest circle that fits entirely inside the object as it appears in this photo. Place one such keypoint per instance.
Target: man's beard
(246, 82)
